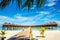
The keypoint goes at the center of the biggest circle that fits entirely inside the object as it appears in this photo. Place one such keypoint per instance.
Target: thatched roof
(13, 25)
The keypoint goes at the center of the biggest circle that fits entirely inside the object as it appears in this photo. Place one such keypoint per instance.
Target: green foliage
(4, 3)
(2, 33)
(19, 3)
(28, 3)
(32, 38)
(40, 2)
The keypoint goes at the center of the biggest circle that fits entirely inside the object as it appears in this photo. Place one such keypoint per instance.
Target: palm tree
(2, 35)
(28, 3)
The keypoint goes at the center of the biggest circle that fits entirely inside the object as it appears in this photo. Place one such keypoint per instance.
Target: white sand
(50, 34)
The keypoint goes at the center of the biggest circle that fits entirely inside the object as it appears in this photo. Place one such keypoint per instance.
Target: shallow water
(35, 28)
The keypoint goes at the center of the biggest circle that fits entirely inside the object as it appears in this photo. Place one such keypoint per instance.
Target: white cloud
(5, 19)
(33, 20)
(18, 19)
(51, 4)
(51, 0)
(58, 21)
(29, 23)
(51, 16)
(39, 16)
(44, 12)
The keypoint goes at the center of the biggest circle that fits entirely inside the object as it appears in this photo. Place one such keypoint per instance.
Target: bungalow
(9, 26)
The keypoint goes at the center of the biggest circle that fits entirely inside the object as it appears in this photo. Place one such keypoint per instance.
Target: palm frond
(39, 3)
(32, 1)
(28, 3)
(25, 4)
(29, 6)
(12, 0)
(2, 32)
(19, 3)
(4, 3)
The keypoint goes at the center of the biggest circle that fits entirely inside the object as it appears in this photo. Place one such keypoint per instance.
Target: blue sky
(49, 12)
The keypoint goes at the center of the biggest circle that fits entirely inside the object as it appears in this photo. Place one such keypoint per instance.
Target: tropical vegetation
(20, 4)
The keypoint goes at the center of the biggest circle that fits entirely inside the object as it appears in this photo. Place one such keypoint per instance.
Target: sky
(49, 12)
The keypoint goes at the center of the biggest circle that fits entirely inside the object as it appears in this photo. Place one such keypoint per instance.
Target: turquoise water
(36, 28)
(58, 27)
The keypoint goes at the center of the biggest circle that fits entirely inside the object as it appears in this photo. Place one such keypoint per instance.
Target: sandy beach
(49, 34)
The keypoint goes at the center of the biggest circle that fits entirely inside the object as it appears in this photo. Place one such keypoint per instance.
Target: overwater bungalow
(9, 26)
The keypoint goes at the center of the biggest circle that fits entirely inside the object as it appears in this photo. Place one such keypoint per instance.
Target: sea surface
(37, 28)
